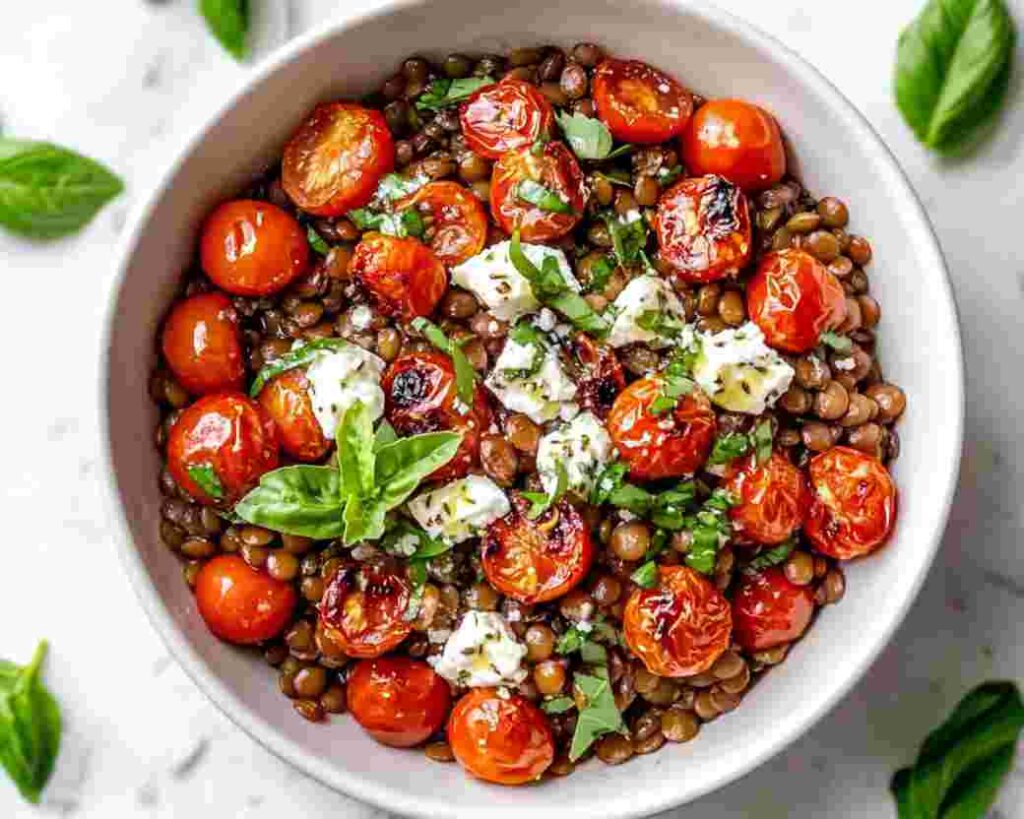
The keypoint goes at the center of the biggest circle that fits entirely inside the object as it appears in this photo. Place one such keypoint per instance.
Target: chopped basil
(707, 529)
(402, 224)
(839, 343)
(771, 557)
(646, 577)
(206, 478)
(394, 186)
(673, 387)
(599, 714)
(600, 273)
(588, 137)
(540, 502)
(465, 378)
(762, 439)
(629, 239)
(444, 92)
(418, 578)
(316, 241)
(729, 446)
(299, 357)
(558, 705)
(666, 176)
(664, 324)
(616, 177)
(665, 509)
(542, 196)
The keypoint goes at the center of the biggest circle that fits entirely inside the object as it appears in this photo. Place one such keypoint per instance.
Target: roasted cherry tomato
(459, 229)
(793, 298)
(363, 608)
(737, 140)
(421, 396)
(399, 701)
(402, 275)
(679, 627)
(252, 248)
(241, 604)
(287, 401)
(333, 163)
(202, 344)
(768, 610)
(854, 503)
(771, 499)
(534, 561)
(639, 103)
(552, 173)
(703, 229)
(601, 378)
(499, 118)
(667, 445)
(220, 446)
(499, 737)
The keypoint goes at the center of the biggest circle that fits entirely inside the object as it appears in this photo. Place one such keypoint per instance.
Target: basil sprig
(588, 137)
(444, 92)
(228, 21)
(30, 725)
(299, 357)
(542, 197)
(662, 323)
(465, 378)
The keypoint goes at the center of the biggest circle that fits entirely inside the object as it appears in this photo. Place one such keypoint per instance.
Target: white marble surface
(124, 80)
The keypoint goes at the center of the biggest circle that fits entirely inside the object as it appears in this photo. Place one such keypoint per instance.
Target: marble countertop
(141, 740)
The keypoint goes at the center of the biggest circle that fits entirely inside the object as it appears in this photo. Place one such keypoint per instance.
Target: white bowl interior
(838, 154)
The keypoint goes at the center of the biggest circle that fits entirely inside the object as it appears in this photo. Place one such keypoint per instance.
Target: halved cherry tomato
(363, 608)
(601, 377)
(534, 561)
(771, 499)
(674, 443)
(794, 298)
(287, 401)
(220, 446)
(420, 395)
(335, 159)
(499, 118)
(402, 275)
(639, 103)
(703, 229)
(460, 222)
(854, 505)
(768, 610)
(500, 737)
(202, 344)
(737, 140)
(555, 169)
(252, 248)
(399, 701)
(241, 604)
(681, 626)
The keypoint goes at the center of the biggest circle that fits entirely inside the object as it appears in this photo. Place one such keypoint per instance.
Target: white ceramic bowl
(838, 154)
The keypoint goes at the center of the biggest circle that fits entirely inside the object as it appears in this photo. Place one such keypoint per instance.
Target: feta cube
(530, 378)
(461, 509)
(482, 651)
(643, 294)
(739, 372)
(339, 378)
(583, 447)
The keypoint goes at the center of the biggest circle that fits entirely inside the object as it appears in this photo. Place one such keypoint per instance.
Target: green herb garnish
(588, 137)
(465, 378)
(228, 21)
(316, 241)
(542, 197)
(629, 239)
(444, 92)
(599, 714)
(771, 557)
(664, 324)
(708, 528)
(540, 502)
(299, 357)
(558, 705)
(205, 477)
(839, 343)
(673, 387)
(646, 577)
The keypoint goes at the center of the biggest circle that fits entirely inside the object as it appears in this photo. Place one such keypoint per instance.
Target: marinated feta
(739, 372)
(582, 447)
(529, 378)
(644, 294)
(482, 651)
(459, 510)
(339, 378)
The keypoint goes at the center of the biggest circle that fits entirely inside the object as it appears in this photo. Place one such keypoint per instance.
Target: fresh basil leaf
(316, 241)
(356, 458)
(385, 434)
(205, 477)
(465, 377)
(412, 223)
(297, 500)
(953, 65)
(728, 447)
(708, 527)
(402, 465)
(571, 640)
(364, 520)
(664, 324)
(444, 92)
(228, 20)
(761, 439)
(558, 705)
(540, 502)
(588, 137)
(597, 717)
(629, 239)
(661, 404)
(47, 191)
(666, 176)
(771, 557)
(394, 186)
(542, 197)
(610, 479)
(839, 343)
(646, 576)
(600, 273)
(299, 357)
(592, 653)
(407, 222)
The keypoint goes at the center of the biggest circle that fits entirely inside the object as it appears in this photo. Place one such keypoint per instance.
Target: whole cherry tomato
(363, 608)
(220, 446)
(421, 396)
(399, 701)
(854, 503)
(402, 275)
(771, 499)
(793, 298)
(511, 114)
(202, 344)
(768, 610)
(551, 173)
(287, 401)
(703, 229)
(241, 604)
(737, 140)
(639, 103)
(679, 627)
(601, 378)
(534, 561)
(499, 737)
(460, 222)
(335, 159)
(252, 248)
(667, 445)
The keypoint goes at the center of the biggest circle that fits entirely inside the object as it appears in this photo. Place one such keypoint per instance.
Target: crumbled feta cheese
(543, 392)
(361, 317)
(459, 510)
(482, 651)
(406, 545)
(494, 280)
(582, 447)
(644, 293)
(339, 378)
(739, 372)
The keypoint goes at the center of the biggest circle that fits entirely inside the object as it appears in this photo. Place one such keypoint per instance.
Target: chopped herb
(206, 478)
(543, 197)
(839, 343)
(598, 716)
(444, 92)
(646, 577)
(316, 241)
(665, 509)
(662, 404)
(600, 272)
(558, 705)
(708, 528)
(729, 446)
(616, 177)
(673, 387)
(588, 137)
(666, 176)
(465, 378)
(664, 324)
(629, 239)
(540, 502)
(394, 186)
(761, 439)
(405, 223)
(771, 557)
(299, 357)
(418, 579)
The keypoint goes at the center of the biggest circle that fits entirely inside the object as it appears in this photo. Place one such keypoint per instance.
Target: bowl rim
(395, 800)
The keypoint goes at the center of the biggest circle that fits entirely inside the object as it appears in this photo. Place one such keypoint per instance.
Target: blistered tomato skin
(460, 222)
(534, 561)
(503, 117)
(500, 737)
(336, 158)
(853, 508)
(769, 611)
(771, 499)
(251, 248)
(703, 229)
(402, 275)
(681, 626)
(601, 378)
(639, 103)
(737, 140)
(241, 604)
(225, 440)
(287, 401)
(202, 344)
(398, 701)
(794, 298)
(363, 609)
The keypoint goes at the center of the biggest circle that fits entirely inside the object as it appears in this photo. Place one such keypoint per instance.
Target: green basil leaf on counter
(299, 357)
(316, 241)
(598, 716)
(444, 92)
(297, 500)
(465, 377)
(205, 477)
(228, 20)
(588, 137)
(542, 197)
